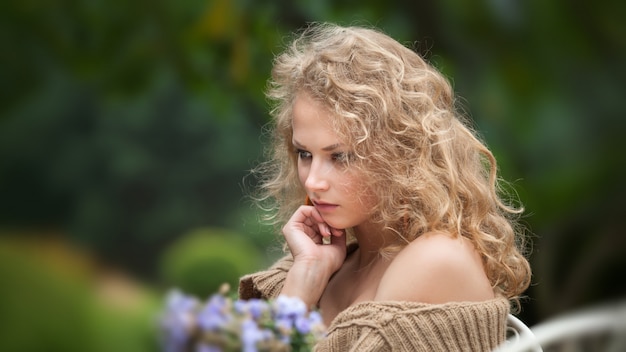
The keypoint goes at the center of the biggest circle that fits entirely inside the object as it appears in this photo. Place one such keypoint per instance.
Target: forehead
(309, 114)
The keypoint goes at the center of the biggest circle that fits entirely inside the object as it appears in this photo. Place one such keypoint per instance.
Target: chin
(338, 225)
(337, 222)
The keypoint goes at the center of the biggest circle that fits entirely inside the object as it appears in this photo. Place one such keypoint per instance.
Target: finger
(316, 217)
(315, 214)
(292, 229)
(339, 241)
(307, 215)
(337, 232)
(324, 229)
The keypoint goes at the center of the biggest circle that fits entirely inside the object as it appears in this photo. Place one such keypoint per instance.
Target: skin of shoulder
(435, 268)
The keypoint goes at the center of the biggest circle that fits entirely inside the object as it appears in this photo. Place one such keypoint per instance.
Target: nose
(317, 178)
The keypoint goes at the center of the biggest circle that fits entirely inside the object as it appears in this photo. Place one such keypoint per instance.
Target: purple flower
(176, 300)
(177, 320)
(207, 348)
(306, 324)
(303, 325)
(255, 307)
(315, 317)
(289, 307)
(220, 323)
(290, 313)
(251, 335)
(284, 324)
(214, 315)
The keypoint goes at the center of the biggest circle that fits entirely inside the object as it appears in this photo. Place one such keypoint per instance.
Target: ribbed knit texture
(395, 325)
(265, 284)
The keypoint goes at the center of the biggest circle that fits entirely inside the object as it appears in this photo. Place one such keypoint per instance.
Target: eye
(303, 154)
(342, 157)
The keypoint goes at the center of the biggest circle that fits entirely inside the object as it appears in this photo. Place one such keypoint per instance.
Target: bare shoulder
(436, 268)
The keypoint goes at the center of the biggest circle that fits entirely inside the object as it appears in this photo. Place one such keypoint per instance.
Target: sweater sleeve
(409, 326)
(265, 284)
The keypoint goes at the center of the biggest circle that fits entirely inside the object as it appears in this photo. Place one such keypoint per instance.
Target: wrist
(306, 282)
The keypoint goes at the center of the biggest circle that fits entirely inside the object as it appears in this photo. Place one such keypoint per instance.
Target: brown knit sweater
(397, 325)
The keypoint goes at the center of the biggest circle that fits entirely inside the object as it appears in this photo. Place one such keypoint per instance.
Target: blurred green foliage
(201, 261)
(126, 125)
(50, 302)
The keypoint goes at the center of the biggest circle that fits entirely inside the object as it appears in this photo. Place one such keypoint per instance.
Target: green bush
(51, 302)
(41, 311)
(206, 258)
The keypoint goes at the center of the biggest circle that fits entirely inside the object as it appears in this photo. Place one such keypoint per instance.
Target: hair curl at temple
(422, 160)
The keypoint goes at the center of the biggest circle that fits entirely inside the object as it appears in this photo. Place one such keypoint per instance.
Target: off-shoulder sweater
(397, 325)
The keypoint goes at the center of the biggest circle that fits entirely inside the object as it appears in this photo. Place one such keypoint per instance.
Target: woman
(388, 202)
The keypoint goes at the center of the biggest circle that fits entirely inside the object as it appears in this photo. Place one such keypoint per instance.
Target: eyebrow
(326, 149)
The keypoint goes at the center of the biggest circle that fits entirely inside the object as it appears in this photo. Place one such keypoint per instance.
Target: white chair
(604, 326)
(518, 331)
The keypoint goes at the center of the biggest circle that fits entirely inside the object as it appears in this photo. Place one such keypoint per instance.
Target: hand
(305, 234)
(314, 261)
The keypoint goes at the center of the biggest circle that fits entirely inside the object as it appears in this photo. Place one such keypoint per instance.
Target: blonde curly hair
(425, 165)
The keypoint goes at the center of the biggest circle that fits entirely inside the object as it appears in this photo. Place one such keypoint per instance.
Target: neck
(371, 238)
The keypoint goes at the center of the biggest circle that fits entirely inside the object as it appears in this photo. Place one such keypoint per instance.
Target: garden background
(127, 130)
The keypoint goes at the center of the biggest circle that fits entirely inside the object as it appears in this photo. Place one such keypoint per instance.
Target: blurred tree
(130, 131)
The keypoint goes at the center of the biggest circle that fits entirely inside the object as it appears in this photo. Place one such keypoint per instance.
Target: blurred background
(127, 129)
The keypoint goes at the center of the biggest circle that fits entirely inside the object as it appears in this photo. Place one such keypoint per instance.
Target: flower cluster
(223, 323)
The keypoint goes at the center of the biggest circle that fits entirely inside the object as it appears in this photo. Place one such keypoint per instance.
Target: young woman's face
(334, 189)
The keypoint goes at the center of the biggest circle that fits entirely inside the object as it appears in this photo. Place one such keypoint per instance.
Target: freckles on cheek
(347, 186)
(357, 188)
(351, 186)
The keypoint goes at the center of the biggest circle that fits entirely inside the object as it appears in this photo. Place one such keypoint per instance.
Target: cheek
(352, 185)
(302, 173)
(358, 189)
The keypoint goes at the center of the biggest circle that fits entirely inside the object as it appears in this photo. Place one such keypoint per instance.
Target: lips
(323, 206)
